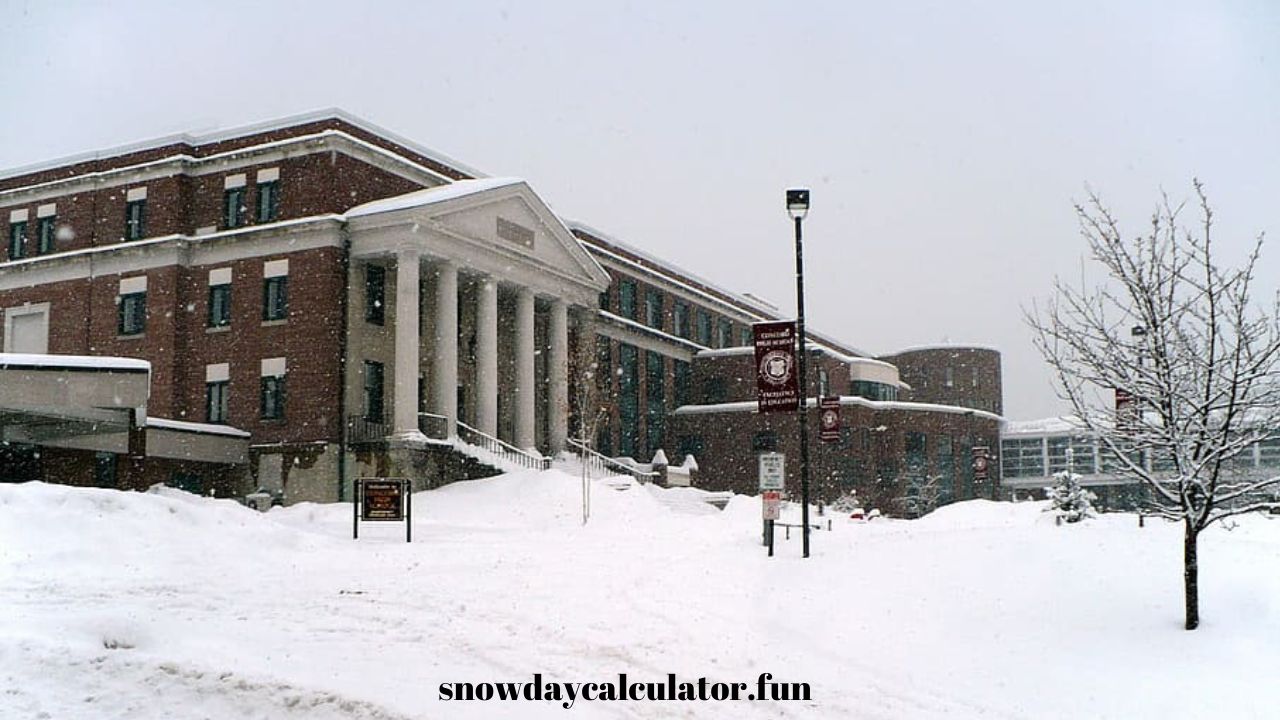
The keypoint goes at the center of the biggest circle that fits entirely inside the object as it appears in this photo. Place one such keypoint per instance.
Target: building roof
(431, 195)
(217, 136)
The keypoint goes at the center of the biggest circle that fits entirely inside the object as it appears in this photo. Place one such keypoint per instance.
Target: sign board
(829, 419)
(382, 500)
(1126, 409)
(777, 382)
(773, 471)
(981, 462)
(772, 504)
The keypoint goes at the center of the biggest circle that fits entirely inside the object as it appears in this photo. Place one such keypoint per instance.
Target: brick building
(360, 305)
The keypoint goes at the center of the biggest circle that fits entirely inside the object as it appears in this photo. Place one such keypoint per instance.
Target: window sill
(218, 329)
(272, 323)
(138, 336)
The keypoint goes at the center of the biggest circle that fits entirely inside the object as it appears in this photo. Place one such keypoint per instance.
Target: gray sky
(944, 142)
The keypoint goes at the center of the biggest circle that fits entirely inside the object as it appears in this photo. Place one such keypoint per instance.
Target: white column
(558, 376)
(405, 421)
(487, 356)
(444, 361)
(525, 435)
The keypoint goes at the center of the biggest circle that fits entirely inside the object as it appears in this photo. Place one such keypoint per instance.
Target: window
(135, 219)
(1022, 457)
(917, 461)
(680, 370)
(655, 392)
(272, 397)
(680, 320)
(268, 200)
(628, 400)
(824, 383)
(219, 305)
(217, 392)
(275, 290)
(949, 377)
(604, 300)
(373, 398)
(627, 299)
(233, 207)
(974, 370)
(45, 232)
(375, 294)
(704, 328)
(873, 390)
(744, 337)
(217, 396)
(17, 239)
(133, 313)
(724, 333)
(653, 308)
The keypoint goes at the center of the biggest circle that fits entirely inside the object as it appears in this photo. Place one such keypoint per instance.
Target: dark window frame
(46, 234)
(272, 398)
(653, 307)
(375, 294)
(219, 305)
(135, 219)
(233, 212)
(217, 402)
(375, 397)
(268, 201)
(132, 320)
(627, 299)
(17, 240)
(275, 305)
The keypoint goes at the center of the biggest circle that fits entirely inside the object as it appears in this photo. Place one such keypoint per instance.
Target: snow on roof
(944, 346)
(1061, 425)
(194, 427)
(242, 131)
(727, 352)
(74, 362)
(430, 196)
(751, 405)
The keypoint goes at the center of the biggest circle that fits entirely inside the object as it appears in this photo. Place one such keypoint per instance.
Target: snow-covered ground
(165, 605)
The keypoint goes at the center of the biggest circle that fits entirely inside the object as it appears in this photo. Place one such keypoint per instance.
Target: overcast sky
(944, 142)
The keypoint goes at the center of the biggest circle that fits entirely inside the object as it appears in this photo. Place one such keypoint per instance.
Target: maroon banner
(1126, 410)
(829, 419)
(777, 386)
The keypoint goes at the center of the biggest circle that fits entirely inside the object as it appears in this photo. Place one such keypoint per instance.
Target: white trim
(218, 372)
(238, 180)
(129, 286)
(194, 427)
(134, 194)
(273, 367)
(220, 276)
(47, 210)
(275, 268)
(751, 406)
(17, 216)
(267, 175)
(11, 314)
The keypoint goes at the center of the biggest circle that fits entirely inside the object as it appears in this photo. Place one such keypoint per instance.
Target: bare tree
(921, 494)
(1191, 360)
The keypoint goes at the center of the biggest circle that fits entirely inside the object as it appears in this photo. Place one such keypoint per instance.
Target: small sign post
(829, 419)
(777, 377)
(772, 505)
(773, 480)
(382, 500)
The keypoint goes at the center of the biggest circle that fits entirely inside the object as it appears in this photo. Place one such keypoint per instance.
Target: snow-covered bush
(1070, 500)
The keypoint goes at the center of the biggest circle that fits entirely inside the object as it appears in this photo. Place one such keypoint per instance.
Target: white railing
(499, 451)
(599, 465)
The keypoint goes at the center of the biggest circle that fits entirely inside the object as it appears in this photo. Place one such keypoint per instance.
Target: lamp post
(798, 208)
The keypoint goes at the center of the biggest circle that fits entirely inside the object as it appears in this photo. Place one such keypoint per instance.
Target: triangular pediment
(493, 225)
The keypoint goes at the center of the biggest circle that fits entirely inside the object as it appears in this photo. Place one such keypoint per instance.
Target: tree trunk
(1191, 576)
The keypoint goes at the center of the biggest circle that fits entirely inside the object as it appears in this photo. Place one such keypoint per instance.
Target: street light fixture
(798, 208)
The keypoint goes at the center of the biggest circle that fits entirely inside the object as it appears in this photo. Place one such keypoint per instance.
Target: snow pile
(163, 605)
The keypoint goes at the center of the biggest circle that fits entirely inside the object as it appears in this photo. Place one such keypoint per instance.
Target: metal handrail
(504, 450)
(605, 465)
